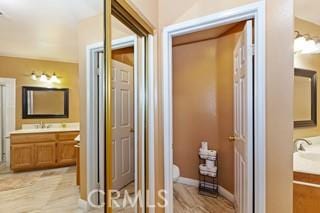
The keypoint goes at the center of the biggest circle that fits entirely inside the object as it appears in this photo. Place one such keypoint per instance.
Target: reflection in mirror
(43, 153)
(302, 98)
(305, 98)
(306, 95)
(124, 146)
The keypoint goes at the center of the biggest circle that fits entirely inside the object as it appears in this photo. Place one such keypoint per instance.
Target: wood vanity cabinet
(22, 156)
(66, 154)
(42, 150)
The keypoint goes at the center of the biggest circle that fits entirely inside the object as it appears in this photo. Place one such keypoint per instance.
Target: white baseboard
(226, 194)
(192, 182)
(188, 181)
(83, 204)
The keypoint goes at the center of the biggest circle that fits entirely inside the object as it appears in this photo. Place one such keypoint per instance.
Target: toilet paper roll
(209, 163)
(204, 145)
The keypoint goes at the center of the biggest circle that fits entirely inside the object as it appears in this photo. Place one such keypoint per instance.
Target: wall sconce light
(46, 78)
(54, 79)
(34, 77)
(306, 44)
(43, 78)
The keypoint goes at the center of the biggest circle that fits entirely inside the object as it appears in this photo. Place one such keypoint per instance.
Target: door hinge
(253, 49)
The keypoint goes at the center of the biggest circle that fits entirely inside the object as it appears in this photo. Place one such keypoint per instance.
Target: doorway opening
(205, 60)
(210, 114)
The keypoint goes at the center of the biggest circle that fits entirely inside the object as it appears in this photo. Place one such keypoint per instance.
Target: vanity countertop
(45, 130)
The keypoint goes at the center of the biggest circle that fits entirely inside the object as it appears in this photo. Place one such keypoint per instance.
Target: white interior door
(122, 125)
(243, 124)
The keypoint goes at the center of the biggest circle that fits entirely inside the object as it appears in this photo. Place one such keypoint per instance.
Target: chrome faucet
(42, 125)
(301, 147)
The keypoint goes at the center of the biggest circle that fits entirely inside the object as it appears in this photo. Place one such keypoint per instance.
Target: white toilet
(175, 172)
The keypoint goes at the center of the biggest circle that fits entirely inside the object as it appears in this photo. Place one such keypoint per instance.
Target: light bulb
(310, 47)
(43, 78)
(299, 44)
(33, 76)
(55, 79)
(318, 47)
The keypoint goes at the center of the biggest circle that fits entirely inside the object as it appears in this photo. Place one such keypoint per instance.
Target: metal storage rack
(208, 185)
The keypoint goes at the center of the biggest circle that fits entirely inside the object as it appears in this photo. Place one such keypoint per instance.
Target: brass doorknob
(232, 138)
(132, 130)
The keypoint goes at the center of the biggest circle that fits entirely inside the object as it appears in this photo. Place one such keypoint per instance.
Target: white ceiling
(308, 10)
(44, 29)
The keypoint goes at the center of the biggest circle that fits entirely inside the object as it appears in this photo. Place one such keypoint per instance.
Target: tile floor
(55, 190)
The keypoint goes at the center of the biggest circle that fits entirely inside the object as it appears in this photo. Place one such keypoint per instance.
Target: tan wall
(279, 92)
(311, 62)
(21, 69)
(204, 109)
(90, 32)
(195, 104)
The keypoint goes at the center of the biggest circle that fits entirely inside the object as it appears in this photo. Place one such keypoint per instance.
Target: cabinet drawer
(67, 136)
(33, 138)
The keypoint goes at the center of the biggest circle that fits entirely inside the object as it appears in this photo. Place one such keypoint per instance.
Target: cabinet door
(66, 153)
(22, 156)
(45, 154)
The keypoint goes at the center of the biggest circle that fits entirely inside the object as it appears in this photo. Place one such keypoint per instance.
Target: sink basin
(311, 156)
(306, 162)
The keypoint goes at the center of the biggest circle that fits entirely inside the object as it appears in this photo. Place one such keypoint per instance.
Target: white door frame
(9, 113)
(254, 11)
(91, 148)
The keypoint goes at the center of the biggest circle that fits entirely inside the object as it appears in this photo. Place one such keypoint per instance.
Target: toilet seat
(175, 172)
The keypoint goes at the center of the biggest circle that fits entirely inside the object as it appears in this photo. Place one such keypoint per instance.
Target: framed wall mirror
(40, 102)
(305, 98)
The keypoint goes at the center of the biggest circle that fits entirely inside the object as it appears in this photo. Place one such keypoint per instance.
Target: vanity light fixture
(306, 44)
(43, 78)
(46, 78)
(54, 79)
(34, 77)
